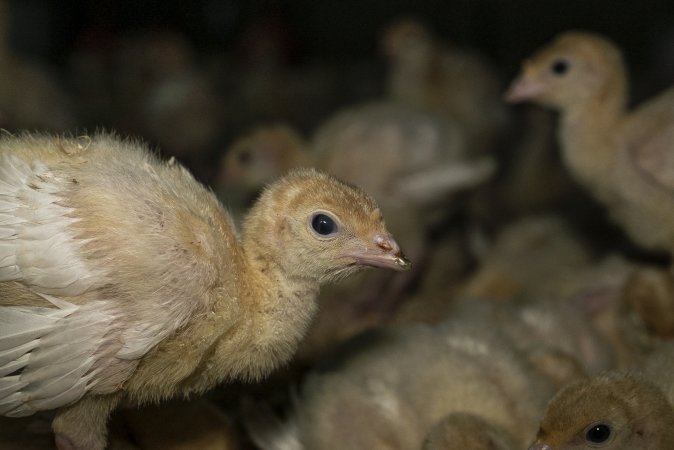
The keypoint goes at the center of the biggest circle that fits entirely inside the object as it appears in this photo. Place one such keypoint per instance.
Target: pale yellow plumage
(616, 410)
(402, 155)
(468, 432)
(389, 388)
(426, 72)
(122, 278)
(622, 156)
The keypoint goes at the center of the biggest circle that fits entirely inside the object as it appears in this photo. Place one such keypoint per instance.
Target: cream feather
(124, 279)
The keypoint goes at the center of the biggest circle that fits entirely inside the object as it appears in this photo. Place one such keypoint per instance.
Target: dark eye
(560, 67)
(598, 433)
(244, 157)
(323, 224)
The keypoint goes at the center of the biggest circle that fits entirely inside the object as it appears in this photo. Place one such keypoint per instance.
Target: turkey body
(122, 278)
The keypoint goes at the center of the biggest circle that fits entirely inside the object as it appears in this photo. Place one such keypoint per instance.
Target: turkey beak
(385, 253)
(523, 88)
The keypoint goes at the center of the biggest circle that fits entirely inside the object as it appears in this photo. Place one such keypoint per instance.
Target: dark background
(504, 30)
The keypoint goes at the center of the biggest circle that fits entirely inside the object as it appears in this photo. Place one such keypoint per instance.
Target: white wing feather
(46, 354)
(50, 357)
(36, 245)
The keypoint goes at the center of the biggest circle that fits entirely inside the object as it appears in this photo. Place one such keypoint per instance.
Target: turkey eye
(244, 157)
(560, 67)
(598, 433)
(323, 224)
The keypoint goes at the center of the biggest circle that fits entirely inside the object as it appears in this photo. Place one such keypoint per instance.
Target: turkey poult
(426, 72)
(389, 389)
(617, 410)
(622, 156)
(122, 279)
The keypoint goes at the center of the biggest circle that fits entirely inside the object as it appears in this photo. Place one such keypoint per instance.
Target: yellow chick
(518, 263)
(426, 73)
(649, 292)
(258, 157)
(556, 336)
(399, 154)
(388, 389)
(627, 304)
(467, 432)
(403, 155)
(617, 410)
(122, 279)
(408, 159)
(623, 157)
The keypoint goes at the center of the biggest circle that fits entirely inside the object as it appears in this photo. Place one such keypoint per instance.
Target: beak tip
(512, 95)
(403, 263)
(388, 260)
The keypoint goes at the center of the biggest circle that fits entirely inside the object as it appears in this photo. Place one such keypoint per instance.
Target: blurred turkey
(457, 83)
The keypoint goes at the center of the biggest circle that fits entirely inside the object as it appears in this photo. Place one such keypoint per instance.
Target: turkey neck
(589, 134)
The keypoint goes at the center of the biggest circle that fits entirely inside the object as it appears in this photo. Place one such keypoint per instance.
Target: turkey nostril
(386, 243)
(383, 243)
(385, 246)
